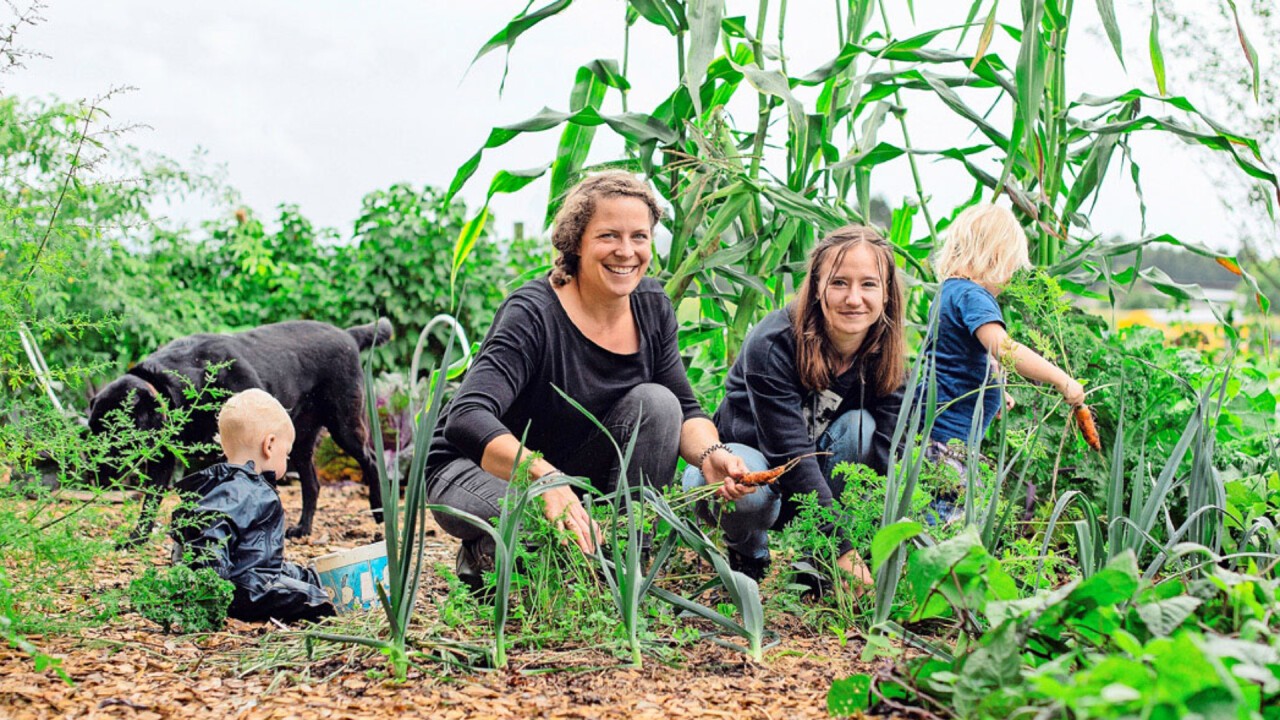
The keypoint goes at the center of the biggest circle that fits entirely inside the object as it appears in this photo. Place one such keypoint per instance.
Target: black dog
(312, 368)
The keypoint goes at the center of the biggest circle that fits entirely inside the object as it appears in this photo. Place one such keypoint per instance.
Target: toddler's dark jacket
(237, 528)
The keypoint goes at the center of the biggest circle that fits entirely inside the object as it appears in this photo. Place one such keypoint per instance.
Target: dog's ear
(146, 408)
(135, 396)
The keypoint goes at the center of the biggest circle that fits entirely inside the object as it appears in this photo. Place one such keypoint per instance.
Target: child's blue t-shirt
(961, 361)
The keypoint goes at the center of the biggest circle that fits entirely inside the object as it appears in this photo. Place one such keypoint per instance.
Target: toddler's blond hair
(985, 244)
(248, 417)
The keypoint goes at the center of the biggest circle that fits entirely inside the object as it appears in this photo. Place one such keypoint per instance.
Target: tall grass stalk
(506, 535)
(404, 527)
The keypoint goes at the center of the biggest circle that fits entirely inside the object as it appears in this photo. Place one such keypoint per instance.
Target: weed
(177, 596)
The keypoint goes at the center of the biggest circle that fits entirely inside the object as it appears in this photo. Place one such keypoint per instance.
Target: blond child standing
(984, 247)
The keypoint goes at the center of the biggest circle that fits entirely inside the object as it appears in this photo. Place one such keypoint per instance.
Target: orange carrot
(1084, 418)
(768, 477)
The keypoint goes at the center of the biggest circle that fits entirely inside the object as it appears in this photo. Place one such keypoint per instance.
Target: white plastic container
(349, 576)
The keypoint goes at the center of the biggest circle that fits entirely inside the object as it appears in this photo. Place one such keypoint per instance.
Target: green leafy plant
(39, 660)
(177, 596)
(1110, 646)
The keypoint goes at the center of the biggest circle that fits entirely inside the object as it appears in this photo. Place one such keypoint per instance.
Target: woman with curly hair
(605, 334)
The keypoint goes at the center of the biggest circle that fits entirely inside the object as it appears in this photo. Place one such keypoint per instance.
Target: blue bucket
(349, 576)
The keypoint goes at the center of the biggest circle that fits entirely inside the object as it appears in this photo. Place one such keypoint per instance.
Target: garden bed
(128, 667)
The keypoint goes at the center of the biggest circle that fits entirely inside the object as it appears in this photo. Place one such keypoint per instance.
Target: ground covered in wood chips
(130, 669)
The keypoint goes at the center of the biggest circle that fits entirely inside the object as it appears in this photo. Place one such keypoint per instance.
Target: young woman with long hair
(823, 374)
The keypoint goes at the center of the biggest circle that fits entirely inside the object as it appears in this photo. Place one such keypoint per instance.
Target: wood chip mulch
(130, 669)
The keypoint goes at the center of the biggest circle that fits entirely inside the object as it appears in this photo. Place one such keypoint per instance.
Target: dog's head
(116, 415)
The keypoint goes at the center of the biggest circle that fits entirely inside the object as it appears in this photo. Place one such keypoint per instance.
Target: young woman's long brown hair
(883, 352)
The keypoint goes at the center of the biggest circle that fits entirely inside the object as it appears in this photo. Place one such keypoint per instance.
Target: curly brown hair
(883, 353)
(580, 206)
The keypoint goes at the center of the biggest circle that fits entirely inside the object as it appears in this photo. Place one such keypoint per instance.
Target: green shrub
(177, 596)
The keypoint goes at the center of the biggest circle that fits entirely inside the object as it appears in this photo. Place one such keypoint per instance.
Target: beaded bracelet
(549, 476)
(710, 449)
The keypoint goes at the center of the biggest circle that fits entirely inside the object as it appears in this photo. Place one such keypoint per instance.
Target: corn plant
(742, 220)
(403, 526)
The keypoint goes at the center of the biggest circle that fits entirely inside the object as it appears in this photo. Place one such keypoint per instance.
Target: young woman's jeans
(746, 527)
(464, 485)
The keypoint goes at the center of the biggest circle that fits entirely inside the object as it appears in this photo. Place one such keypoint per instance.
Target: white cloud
(320, 101)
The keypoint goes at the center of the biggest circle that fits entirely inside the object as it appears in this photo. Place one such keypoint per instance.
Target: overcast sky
(318, 102)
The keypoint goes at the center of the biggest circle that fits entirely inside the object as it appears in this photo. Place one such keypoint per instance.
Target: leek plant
(506, 536)
(629, 583)
(1138, 528)
(403, 525)
(743, 591)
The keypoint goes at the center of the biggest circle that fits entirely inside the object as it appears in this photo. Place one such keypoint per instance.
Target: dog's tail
(373, 334)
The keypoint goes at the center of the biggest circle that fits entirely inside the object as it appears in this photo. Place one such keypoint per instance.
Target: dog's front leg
(155, 482)
(310, 493)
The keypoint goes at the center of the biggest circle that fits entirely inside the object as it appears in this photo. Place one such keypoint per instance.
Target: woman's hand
(562, 507)
(723, 466)
(851, 562)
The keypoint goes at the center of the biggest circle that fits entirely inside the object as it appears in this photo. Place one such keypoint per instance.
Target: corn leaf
(589, 88)
(658, 13)
(704, 34)
(984, 40)
(1250, 54)
(774, 83)
(635, 127)
(1029, 74)
(1157, 55)
(1107, 9)
(968, 20)
(506, 37)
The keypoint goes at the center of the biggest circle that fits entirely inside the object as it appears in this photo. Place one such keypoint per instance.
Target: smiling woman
(819, 380)
(602, 332)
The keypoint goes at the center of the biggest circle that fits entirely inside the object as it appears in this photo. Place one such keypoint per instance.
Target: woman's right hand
(563, 508)
(724, 467)
(1072, 392)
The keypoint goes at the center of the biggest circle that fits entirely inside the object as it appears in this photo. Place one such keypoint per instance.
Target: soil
(130, 669)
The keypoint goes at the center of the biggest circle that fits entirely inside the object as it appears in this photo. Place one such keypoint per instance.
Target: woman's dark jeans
(464, 485)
